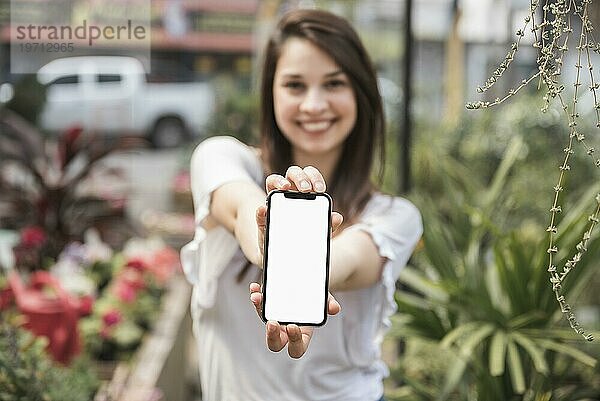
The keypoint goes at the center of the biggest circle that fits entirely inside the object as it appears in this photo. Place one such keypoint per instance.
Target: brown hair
(351, 185)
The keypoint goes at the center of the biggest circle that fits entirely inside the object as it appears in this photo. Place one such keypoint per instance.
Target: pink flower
(164, 263)
(133, 278)
(112, 317)
(105, 332)
(125, 292)
(33, 236)
(137, 264)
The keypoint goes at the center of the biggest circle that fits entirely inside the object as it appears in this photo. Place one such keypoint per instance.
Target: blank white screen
(297, 259)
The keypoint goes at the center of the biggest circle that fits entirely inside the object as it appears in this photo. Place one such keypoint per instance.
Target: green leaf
(480, 331)
(556, 334)
(536, 354)
(458, 332)
(569, 351)
(516, 368)
(418, 282)
(499, 180)
(127, 334)
(454, 374)
(498, 353)
(527, 318)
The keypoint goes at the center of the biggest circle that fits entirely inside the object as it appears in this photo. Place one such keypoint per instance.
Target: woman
(322, 127)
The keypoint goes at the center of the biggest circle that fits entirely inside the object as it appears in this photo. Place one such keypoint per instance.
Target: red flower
(112, 317)
(33, 236)
(85, 305)
(6, 298)
(137, 264)
(133, 278)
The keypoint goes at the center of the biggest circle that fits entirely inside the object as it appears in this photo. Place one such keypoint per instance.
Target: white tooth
(320, 126)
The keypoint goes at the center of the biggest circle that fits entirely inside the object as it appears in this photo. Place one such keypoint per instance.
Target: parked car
(111, 95)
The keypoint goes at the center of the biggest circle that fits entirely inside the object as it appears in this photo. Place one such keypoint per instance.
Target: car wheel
(168, 133)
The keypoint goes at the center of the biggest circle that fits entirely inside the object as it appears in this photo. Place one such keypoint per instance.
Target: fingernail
(304, 184)
(319, 186)
(283, 182)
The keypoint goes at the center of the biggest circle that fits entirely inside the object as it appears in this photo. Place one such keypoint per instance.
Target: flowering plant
(27, 372)
(117, 294)
(44, 183)
(129, 303)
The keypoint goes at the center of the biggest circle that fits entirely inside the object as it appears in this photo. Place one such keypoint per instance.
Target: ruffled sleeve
(215, 162)
(395, 226)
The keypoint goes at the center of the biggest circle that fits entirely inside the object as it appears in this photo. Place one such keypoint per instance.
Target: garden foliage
(477, 290)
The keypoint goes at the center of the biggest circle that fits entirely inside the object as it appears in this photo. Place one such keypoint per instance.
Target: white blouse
(343, 361)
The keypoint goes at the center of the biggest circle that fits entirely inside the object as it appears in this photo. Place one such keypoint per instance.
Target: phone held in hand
(296, 258)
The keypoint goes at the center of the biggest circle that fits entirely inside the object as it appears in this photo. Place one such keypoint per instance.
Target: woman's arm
(355, 261)
(233, 205)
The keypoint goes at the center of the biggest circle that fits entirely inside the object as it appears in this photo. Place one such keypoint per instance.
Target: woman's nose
(314, 102)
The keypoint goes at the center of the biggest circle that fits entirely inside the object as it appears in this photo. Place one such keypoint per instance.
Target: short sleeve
(215, 162)
(395, 226)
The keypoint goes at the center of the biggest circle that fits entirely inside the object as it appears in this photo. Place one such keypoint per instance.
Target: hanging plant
(551, 23)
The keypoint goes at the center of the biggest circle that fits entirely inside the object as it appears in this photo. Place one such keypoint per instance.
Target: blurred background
(95, 196)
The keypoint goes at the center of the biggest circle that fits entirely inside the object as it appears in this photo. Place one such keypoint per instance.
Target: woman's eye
(294, 85)
(336, 83)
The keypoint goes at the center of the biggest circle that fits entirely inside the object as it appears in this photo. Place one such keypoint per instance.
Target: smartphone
(296, 258)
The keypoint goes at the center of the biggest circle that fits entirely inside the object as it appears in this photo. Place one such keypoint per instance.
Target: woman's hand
(297, 338)
(307, 179)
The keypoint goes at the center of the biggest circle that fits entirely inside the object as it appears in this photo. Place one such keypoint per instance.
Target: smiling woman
(322, 127)
(314, 102)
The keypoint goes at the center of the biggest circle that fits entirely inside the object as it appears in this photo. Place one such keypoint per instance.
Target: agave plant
(41, 181)
(482, 294)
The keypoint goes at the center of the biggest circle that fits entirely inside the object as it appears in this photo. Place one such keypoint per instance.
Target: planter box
(155, 371)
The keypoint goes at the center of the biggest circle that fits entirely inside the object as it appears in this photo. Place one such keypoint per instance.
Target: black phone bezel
(296, 195)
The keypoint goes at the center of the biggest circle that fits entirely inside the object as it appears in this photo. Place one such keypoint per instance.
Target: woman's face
(314, 102)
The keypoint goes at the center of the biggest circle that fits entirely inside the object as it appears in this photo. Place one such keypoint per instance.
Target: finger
(276, 181)
(316, 178)
(261, 223)
(333, 306)
(256, 299)
(298, 340)
(298, 178)
(261, 216)
(276, 336)
(336, 221)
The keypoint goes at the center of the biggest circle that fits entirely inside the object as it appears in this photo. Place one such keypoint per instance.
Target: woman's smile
(316, 126)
